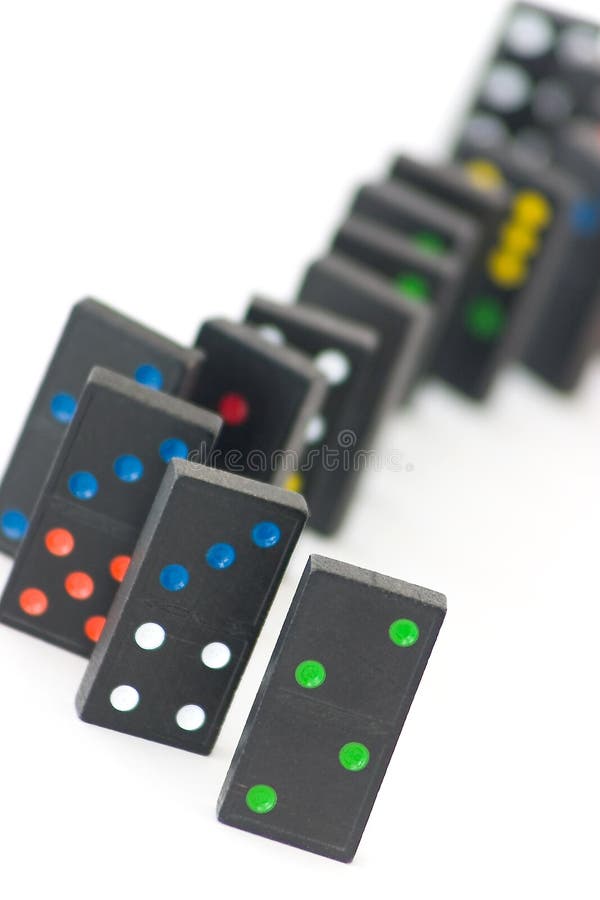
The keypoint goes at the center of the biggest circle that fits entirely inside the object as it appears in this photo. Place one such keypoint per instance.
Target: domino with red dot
(185, 619)
(94, 504)
(94, 335)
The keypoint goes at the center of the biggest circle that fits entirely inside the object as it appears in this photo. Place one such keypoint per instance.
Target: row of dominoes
(147, 493)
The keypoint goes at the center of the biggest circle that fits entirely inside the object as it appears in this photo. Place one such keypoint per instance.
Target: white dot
(552, 101)
(272, 334)
(149, 636)
(529, 33)
(216, 655)
(507, 87)
(124, 698)
(532, 144)
(334, 364)
(315, 430)
(190, 717)
(579, 44)
(486, 130)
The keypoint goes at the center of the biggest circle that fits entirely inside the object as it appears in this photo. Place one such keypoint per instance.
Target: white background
(171, 158)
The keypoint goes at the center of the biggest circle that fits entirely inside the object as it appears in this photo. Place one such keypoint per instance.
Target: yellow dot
(518, 240)
(506, 270)
(484, 174)
(294, 482)
(531, 209)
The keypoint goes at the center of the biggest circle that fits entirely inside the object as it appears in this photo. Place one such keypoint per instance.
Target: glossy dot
(233, 409)
(354, 756)
(261, 799)
(220, 556)
(128, 468)
(334, 364)
(83, 485)
(150, 636)
(294, 482)
(93, 627)
(519, 240)
(173, 448)
(79, 585)
(266, 534)
(486, 130)
(506, 269)
(585, 217)
(59, 542)
(310, 674)
(529, 33)
(62, 407)
(579, 44)
(33, 602)
(404, 632)
(216, 655)
(532, 208)
(272, 334)
(552, 101)
(484, 174)
(150, 376)
(429, 242)
(174, 577)
(533, 144)
(315, 430)
(118, 567)
(485, 317)
(507, 87)
(14, 524)
(190, 717)
(124, 698)
(414, 286)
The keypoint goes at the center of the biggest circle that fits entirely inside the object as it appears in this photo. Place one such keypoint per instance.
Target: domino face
(266, 395)
(544, 70)
(427, 279)
(339, 286)
(93, 505)
(562, 339)
(93, 335)
(345, 352)
(331, 707)
(185, 620)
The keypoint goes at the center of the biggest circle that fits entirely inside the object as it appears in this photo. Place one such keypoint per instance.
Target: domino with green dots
(331, 707)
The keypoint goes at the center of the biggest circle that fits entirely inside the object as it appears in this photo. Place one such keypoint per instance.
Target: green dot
(310, 673)
(429, 242)
(354, 756)
(404, 632)
(261, 798)
(485, 317)
(414, 286)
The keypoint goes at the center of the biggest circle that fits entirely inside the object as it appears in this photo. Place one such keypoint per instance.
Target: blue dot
(149, 376)
(585, 217)
(128, 468)
(83, 485)
(14, 524)
(220, 556)
(62, 407)
(174, 577)
(172, 448)
(266, 534)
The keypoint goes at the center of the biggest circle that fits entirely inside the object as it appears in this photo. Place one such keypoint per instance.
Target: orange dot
(118, 567)
(59, 542)
(94, 626)
(79, 585)
(33, 602)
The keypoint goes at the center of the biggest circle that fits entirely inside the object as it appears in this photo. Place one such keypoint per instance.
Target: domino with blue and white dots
(185, 619)
(94, 335)
(89, 516)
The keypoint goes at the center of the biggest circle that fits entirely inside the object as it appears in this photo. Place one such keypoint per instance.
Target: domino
(93, 505)
(330, 709)
(415, 272)
(345, 352)
(184, 622)
(542, 72)
(266, 395)
(339, 286)
(564, 335)
(93, 335)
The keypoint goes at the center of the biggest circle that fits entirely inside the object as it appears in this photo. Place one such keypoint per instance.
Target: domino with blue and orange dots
(94, 335)
(94, 504)
(186, 617)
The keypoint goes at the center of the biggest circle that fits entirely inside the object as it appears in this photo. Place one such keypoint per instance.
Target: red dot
(59, 542)
(93, 627)
(118, 567)
(79, 585)
(233, 409)
(33, 602)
